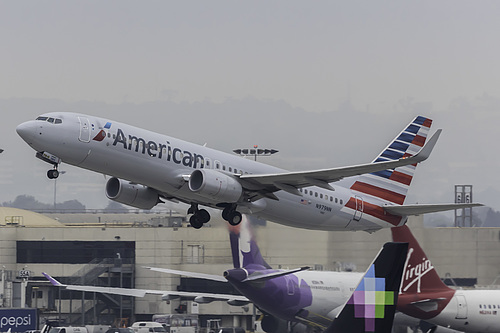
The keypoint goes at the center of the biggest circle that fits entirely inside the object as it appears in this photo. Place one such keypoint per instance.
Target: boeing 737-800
(146, 167)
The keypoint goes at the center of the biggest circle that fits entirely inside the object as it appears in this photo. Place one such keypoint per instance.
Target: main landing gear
(202, 216)
(231, 215)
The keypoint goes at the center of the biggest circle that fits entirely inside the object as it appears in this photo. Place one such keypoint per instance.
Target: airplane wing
(165, 294)
(406, 210)
(290, 181)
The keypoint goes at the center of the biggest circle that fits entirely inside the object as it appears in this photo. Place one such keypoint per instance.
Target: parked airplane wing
(289, 181)
(106, 290)
(406, 210)
(166, 294)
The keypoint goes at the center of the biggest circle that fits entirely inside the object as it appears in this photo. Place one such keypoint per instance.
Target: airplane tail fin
(423, 295)
(392, 185)
(372, 305)
(244, 248)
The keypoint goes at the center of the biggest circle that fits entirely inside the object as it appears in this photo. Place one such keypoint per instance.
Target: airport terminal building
(113, 249)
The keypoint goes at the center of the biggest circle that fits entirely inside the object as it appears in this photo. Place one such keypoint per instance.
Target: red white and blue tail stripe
(393, 185)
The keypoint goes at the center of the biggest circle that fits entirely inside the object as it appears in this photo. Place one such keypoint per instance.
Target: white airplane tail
(392, 185)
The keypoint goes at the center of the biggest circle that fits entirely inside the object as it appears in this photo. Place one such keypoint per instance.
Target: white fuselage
(163, 163)
(471, 311)
(330, 291)
(312, 297)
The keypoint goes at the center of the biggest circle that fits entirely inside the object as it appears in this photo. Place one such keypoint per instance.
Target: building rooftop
(21, 218)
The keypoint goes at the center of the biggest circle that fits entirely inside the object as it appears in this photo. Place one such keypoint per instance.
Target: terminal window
(71, 252)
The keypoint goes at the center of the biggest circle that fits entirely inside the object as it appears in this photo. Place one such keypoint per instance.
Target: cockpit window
(50, 120)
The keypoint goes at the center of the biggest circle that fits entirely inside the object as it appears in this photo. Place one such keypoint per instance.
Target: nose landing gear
(51, 159)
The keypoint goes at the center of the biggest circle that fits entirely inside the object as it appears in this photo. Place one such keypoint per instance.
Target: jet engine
(215, 185)
(134, 195)
(271, 324)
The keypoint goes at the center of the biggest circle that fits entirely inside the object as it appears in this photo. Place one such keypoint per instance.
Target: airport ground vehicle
(148, 327)
(178, 323)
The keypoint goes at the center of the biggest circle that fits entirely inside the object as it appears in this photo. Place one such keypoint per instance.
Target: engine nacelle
(134, 195)
(215, 185)
(271, 324)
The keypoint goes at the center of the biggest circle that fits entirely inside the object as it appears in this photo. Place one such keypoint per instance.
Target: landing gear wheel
(200, 216)
(234, 218)
(231, 215)
(52, 174)
(195, 222)
(203, 215)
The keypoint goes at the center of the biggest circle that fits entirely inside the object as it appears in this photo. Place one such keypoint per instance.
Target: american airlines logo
(413, 274)
(159, 150)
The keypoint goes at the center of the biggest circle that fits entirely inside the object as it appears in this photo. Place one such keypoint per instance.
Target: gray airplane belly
(296, 211)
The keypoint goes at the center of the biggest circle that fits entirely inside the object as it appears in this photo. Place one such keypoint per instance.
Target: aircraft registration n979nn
(146, 167)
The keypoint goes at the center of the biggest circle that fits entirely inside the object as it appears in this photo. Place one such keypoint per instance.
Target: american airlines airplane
(423, 295)
(147, 167)
(312, 298)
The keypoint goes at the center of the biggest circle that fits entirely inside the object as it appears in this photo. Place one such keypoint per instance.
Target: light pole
(255, 151)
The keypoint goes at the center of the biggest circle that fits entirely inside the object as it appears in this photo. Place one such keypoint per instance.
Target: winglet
(52, 280)
(426, 150)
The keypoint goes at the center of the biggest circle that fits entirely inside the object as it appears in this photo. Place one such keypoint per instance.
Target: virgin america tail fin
(392, 185)
(372, 305)
(243, 245)
(423, 295)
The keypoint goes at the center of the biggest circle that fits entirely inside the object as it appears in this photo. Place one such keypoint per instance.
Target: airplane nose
(27, 131)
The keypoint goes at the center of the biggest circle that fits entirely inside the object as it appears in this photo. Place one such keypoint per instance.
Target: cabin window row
(322, 196)
(489, 306)
(220, 166)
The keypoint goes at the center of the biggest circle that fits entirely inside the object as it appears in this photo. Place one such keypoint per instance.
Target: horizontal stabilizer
(190, 274)
(406, 210)
(268, 276)
(428, 305)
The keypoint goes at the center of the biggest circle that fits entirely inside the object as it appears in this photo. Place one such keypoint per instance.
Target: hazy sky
(326, 82)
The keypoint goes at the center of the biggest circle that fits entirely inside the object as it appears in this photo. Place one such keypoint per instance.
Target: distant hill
(29, 202)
